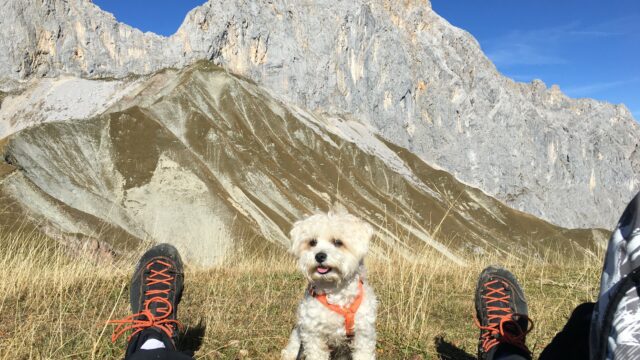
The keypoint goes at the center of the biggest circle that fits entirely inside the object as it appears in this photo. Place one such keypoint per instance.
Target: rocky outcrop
(395, 66)
(52, 37)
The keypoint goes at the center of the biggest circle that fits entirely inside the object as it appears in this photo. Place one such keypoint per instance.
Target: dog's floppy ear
(296, 235)
(360, 233)
(367, 233)
(368, 230)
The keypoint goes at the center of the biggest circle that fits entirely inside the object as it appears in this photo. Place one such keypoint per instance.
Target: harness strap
(349, 313)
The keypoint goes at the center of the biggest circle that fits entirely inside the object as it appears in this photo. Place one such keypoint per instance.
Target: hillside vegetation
(54, 305)
(202, 158)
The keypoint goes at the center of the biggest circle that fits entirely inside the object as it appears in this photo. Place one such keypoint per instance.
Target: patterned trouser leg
(615, 325)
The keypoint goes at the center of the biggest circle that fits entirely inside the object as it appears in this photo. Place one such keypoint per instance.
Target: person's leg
(615, 325)
(502, 316)
(610, 328)
(156, 288)
(572, 343)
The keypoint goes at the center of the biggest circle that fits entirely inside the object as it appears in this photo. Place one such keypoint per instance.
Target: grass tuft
(54, 305)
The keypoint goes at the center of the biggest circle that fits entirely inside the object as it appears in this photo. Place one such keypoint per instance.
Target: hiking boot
(156, 288)
(501, 314)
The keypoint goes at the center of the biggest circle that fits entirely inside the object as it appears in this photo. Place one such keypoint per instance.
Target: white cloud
(543, 46)
(530, 47)
(589, 89)
(522, 54)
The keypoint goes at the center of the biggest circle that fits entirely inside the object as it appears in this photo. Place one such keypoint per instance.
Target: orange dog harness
(349, 313)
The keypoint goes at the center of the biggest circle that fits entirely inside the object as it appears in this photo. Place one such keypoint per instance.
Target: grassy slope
(52, 306)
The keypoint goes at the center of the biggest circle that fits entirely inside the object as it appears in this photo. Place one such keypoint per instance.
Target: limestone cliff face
(396, 66)
(52, 37)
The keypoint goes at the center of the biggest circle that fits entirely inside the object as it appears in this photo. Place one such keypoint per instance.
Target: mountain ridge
(403, 70)
(208, 161)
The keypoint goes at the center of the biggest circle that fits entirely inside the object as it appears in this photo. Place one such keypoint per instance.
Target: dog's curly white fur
(330, 248)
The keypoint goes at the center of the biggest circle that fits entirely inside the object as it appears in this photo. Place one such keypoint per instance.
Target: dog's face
(330, 247)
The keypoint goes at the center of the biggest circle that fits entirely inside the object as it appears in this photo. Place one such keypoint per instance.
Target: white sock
(152, 344)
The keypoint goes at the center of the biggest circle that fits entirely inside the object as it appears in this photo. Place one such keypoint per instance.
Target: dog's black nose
(321, 257)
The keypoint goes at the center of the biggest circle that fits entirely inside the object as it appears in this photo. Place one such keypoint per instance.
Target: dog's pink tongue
(323, 270)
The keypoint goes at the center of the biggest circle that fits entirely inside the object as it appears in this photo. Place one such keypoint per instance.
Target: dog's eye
(337, 242)
(313, 242)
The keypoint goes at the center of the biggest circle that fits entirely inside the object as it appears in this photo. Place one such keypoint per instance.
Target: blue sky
(162, 17)
(590, 48)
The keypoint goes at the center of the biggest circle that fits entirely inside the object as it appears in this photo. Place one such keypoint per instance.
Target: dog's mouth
(323, 270)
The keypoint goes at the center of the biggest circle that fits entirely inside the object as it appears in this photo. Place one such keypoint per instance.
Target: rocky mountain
(210, 161)
(395, 67)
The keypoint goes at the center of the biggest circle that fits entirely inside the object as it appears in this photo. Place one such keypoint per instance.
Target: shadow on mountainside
(448, 351)
(191, 339)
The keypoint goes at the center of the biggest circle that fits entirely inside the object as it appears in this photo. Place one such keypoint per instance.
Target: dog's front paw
(363, 355)
(288, 355)
(315, 351)
(316, 356)
(364, 347)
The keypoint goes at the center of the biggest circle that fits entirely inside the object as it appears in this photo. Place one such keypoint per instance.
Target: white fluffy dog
(336, 318)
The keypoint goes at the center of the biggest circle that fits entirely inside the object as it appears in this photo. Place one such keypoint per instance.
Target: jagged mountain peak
(397, 67)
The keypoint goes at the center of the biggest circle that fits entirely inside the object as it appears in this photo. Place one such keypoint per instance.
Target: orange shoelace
(146, 319)
(494, 333)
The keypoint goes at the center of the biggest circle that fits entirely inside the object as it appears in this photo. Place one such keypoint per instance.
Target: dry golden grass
(55, 306)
